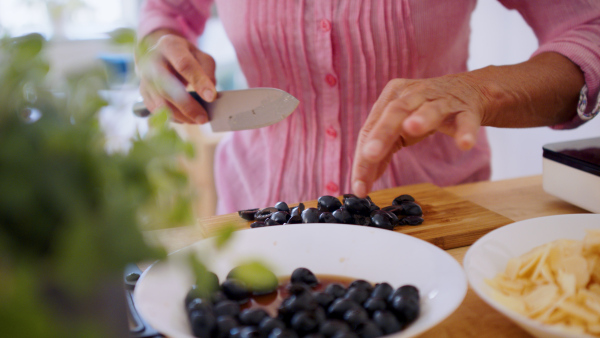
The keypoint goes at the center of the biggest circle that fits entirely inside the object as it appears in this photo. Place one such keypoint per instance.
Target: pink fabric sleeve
(187, 17)
(571, 28)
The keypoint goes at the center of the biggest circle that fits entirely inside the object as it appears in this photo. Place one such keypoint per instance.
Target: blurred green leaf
(123, 36)
(258, 277)
(224, 235)
(206, 281)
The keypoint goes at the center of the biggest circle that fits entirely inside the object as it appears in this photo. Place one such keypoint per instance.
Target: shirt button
(325, 25)
(332, 187)
(331, 132)
(331, 80)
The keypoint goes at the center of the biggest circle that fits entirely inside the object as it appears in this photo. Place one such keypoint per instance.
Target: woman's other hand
(167, 64)
(542, 91)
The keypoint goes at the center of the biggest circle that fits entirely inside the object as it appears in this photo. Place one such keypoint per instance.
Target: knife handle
(140, 110)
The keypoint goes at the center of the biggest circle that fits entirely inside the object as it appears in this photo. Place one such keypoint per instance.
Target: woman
(372, 77)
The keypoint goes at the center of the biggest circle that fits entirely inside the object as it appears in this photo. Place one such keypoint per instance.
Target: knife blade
(242, 109)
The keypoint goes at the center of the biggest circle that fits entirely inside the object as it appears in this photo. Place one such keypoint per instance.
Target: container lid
(579, 154)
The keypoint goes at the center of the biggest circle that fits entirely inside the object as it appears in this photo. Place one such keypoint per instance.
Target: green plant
(70, 212)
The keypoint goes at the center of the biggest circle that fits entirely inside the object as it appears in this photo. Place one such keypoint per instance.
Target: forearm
(542, 91)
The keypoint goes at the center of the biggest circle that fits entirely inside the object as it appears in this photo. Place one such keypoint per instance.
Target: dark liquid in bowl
(271, 302)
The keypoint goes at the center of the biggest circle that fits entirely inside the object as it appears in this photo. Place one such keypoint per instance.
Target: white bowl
(489, 255)
(336, 249)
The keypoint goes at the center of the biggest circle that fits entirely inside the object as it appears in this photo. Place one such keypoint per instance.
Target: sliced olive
(412, 220)
(258, 224)
(411, 209)
(248, 214)
(280, 216)
(265, 213)
(403, 198)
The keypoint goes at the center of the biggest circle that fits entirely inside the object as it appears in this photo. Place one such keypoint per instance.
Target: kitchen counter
(517, 199)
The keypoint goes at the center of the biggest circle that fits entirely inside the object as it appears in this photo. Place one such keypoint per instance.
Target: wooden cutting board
(450, 221)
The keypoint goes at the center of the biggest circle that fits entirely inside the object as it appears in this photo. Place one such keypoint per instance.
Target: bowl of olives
(330, 280)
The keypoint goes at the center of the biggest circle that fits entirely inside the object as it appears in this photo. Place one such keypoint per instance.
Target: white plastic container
(571, 172)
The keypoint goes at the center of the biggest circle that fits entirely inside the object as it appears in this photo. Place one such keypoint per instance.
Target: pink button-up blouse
(336, 56)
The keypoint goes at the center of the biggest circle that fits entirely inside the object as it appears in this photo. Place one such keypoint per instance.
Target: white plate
(489, 255)
(346, 250)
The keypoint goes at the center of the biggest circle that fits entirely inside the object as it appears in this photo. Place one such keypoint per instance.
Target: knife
(242, 109)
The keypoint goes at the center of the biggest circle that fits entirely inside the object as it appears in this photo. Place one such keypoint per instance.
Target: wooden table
(517, 199)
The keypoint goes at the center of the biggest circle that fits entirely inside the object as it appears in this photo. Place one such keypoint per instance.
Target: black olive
(381, 220)
(345, 196)
(346, 334)
(192, 294)
(358, 295)
(282, 333)
(248, 214)
(373, 207)
(406, 309)
(328, 203)
(271, 222)
(374, 304)
(339, 307)
(369, 330)
(280, 217)
(218, 296)
(336, 290)
(393, 218)
(357, 206)
(203, 323)
(409, 291)
(245, 332)
(235, 290)
(386, 321)
(355, 317)
(253, 316)
(362, 220)
(310, 215)
(411, 209)
(382, 290)
(324, 299)
(314, 335)
(330, 327)
(265, 213)
(296, 219)
(304, 276)
(282, 206)
(298, 288)
(395, 209)
(343, 216)
(268, 324)
(411, 220)
(199, 304)
(304, 322)
(224, 326)
(258, 224)
(301, 302)
(327, 217)
(402, 199)
(361, 284)
(227, 308)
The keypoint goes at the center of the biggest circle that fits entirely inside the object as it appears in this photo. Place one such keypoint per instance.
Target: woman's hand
(542, 91)
(168, 65)
(406, 112)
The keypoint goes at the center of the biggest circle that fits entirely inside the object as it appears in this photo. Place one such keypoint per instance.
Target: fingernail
(467, 141)
(360, 188)
(209, 95)
(373, 148)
